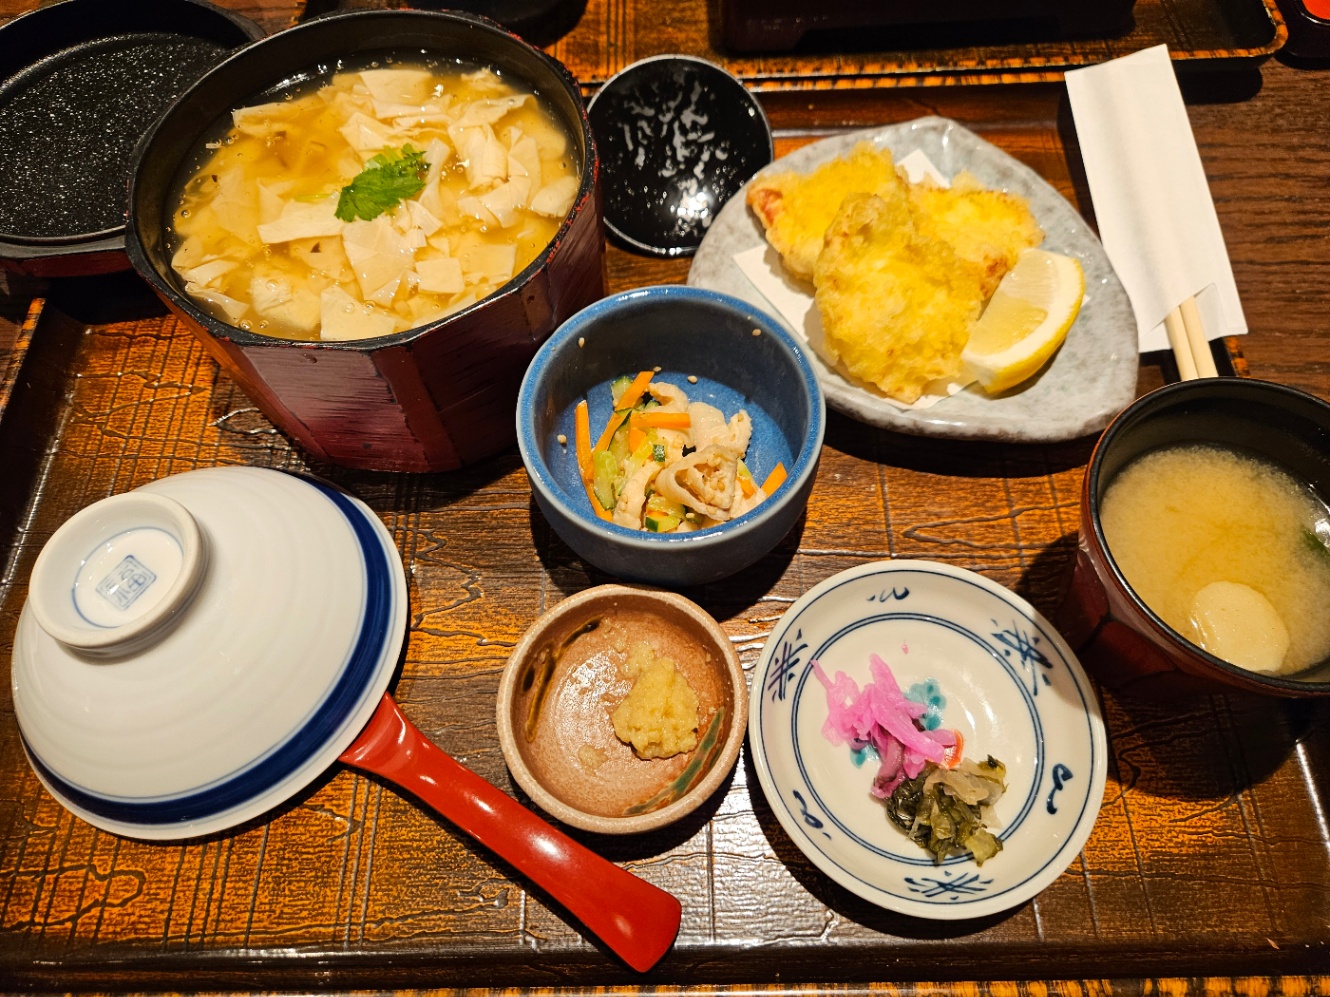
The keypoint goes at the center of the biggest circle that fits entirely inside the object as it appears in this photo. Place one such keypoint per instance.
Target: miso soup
(372, 200)
(1229, 550)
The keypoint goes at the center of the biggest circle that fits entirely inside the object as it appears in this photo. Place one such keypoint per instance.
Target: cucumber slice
(619, 441)
(605, 471)
(618, 386)
(662, 508)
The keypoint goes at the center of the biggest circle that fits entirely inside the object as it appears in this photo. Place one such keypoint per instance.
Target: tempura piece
(990, 228)
(796, 209)
(896, 305)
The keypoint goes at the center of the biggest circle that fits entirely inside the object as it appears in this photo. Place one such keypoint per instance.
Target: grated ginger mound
(795, 209)
(659, 716)
(896, 305)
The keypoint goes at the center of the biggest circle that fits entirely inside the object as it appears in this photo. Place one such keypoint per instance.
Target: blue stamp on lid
(126, 582)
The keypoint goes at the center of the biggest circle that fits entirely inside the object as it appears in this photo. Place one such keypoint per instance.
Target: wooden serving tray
(1209, 828)
(1210, 859)
(611, 34)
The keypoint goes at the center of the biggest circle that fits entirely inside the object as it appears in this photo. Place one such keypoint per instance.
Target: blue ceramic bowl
(740, 357)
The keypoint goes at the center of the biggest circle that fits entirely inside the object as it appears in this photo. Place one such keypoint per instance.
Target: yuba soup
(1230, 551)
(372, 201)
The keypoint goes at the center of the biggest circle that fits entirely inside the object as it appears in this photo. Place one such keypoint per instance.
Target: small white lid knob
(117, 573)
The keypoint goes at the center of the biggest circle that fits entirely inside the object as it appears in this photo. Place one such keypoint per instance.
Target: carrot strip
(616, 420)
(635, 435)
(630, 397)
(775, 479)
(633, 393)
(664, 420)
(585, 467)
(951, 757)
(582, 441)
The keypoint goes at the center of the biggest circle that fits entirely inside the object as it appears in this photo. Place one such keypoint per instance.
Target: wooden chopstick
(1191, 348)
(1200, 343)
(1177, 338)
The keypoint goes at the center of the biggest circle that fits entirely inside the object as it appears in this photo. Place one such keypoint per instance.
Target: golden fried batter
(896, 304)
(989, 228)
(795, 209)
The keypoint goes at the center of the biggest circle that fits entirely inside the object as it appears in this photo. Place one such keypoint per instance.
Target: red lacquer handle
(635, 919)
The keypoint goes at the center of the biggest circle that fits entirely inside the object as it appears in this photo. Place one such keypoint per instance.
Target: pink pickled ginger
(879, 715)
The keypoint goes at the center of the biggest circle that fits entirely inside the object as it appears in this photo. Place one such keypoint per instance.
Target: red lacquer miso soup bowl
(425, 398)
(1199, 522)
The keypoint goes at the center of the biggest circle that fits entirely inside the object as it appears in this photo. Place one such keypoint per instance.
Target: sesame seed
(563, 440)
(692, 378)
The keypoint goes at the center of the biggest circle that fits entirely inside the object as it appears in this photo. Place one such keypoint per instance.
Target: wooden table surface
(1208, 869)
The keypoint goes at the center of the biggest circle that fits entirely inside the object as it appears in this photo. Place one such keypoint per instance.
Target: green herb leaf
(386, 181)
(1315, 542)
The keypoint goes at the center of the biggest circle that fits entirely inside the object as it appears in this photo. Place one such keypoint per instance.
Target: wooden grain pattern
(1209, 868)
(1197, 986)
(610, 34)
(614, 33)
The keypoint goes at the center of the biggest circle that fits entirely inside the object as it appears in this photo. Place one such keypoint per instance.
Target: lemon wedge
(1026, 319)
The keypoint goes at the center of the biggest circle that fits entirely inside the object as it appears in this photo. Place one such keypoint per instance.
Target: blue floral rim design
(1028, 659)
(909, 853)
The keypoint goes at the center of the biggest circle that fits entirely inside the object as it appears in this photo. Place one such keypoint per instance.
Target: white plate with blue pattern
(996, 671)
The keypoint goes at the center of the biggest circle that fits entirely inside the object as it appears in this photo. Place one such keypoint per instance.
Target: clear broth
(503, 172)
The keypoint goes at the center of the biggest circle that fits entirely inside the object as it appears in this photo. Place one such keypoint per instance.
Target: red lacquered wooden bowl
(1117, 636)
(428, 399)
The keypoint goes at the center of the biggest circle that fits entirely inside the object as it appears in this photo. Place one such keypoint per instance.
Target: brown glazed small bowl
(1118, 637)
(563, 681)
(428, 399)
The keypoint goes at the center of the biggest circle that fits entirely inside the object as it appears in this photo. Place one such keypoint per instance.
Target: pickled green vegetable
(944, 810)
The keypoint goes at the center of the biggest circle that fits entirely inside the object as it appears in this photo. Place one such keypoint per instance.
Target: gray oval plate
(1089, 381)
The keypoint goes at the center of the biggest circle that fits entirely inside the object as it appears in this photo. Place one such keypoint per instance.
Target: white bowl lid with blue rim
(196, 651)
(994, 669)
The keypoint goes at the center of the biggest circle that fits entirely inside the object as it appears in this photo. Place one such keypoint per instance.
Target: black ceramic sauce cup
(1126, 644)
